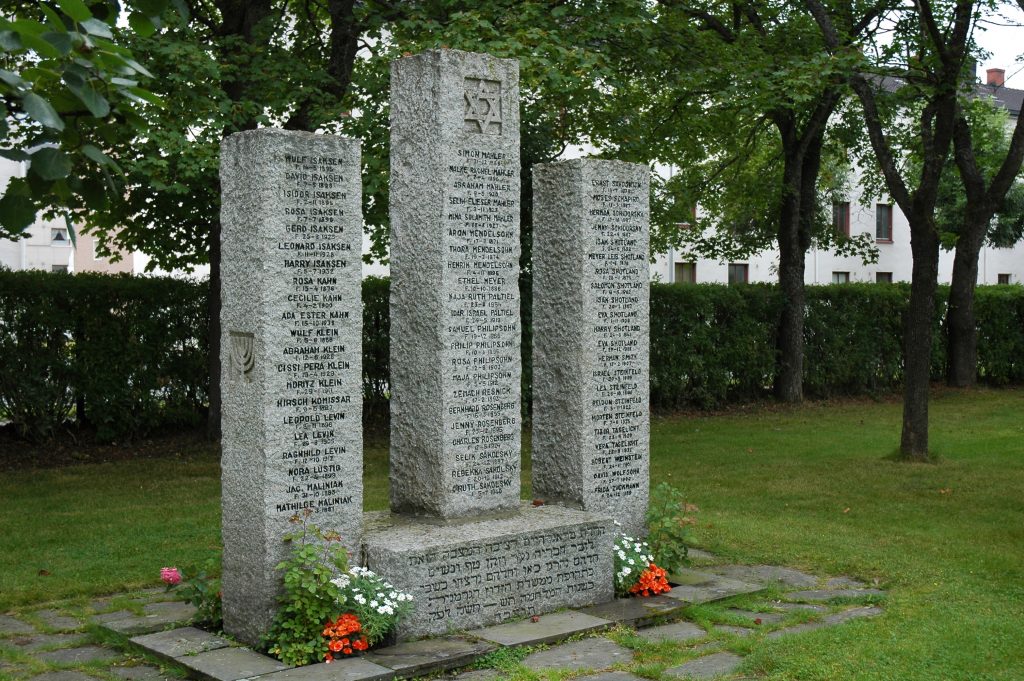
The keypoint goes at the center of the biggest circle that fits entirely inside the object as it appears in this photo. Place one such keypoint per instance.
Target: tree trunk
(962, 334)
(917, 340)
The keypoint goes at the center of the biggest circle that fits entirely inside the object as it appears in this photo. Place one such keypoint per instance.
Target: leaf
(17, 212)
(146, 96)
(139, 68)
(75, 9)
(62, 41)
(14, 154)
(50, 163)
(141, 24)
(96, 103)
(10, 41)
(12, 79)
(97, 28)
(40, 109)
(42, 47)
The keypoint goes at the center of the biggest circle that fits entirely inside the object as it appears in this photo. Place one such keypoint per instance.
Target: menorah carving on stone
(243, 356)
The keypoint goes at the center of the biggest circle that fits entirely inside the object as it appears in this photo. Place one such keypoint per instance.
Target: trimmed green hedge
(128, 354)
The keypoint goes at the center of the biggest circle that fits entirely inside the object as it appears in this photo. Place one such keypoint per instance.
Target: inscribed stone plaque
(455, 343)
(291, 355)
(591, 337)
(476, 573)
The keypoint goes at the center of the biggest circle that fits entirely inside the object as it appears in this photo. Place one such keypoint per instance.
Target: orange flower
(653, 581)
(335, 646)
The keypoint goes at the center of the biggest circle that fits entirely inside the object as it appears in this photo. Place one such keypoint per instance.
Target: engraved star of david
(483, 106)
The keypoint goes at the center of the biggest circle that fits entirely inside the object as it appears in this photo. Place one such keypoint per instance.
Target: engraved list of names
(481, 318)
(616, 292)
(317, 366)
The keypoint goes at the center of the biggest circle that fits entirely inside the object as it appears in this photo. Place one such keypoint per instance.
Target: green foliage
(376, 349)
(311, 598)
(669, 525)
(201, 588)
(999, 311)
(129, 353)
(67, 87)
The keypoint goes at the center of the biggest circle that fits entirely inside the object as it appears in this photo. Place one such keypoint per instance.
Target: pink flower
(170, 575)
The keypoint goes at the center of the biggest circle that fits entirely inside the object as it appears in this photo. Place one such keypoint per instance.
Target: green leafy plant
(311, 597)
(670, 525)
(328, 608)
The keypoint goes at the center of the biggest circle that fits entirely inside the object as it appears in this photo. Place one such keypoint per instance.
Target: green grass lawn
(812, 487)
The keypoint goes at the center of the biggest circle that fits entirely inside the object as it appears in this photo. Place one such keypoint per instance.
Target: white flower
(632, 562)
(622, 555)
(626, 571)
(360, 599)
(340, 582)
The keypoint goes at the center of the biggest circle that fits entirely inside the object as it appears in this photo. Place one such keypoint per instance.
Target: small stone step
(346, 669)
(767, 574)
(418, 658)
(231, 664)
(635, 612)
(180, 642)
(821, 595)
(675, 632)
(692, 587)
(543, 629)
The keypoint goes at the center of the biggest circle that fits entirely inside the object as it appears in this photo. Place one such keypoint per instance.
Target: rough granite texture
(477, 573)
(291, 354)
(455, 329)
(591, 321)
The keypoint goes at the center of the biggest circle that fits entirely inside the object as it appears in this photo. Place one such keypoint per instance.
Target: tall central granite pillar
(459, 538)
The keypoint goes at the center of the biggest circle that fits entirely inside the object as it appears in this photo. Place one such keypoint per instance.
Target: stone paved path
(611, 642)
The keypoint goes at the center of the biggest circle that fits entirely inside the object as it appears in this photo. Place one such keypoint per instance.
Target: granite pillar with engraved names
(291, 351)
(591, 329)
(458, 537)
(455, 332)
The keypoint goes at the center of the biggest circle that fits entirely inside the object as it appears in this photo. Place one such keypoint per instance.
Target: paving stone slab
(830, 620)
(765, 617)
(843, 582)
(79, 655)
(40, 641)
(477, 675)
(142, 672)
(429, 655)
(634, 611)
(157, 617)
(231, 664)
(676, 632)
(546, 629)
(63, 676)
(105, 617)
(179, 642)
(701, 587)
(767, 574)
(348, 669)
(829, 594)
(707, 667)
(590, 653)
(735, 631)
(613, 676)
(800, 607)
(11, 625)
(56, 619)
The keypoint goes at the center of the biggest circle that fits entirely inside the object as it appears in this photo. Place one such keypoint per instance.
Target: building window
(841, 217)
(58, 268)
(840, 277)
(883, 222)
(739, 273)
(883, 277)
(59, 235)
(1004, 278)
(685, 273)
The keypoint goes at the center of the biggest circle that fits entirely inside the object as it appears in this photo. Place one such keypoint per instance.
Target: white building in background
(881, 219)
(48, 246)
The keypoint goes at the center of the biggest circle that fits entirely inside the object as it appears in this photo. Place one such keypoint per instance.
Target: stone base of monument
(474, 573)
